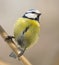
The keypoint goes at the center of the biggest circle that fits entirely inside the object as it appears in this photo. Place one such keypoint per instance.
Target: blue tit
(27, 29)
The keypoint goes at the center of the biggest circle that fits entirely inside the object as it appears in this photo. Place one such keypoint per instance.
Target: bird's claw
(22, 52)
(9, 38)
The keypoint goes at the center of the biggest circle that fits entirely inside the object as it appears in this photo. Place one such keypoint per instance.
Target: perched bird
(27, 29)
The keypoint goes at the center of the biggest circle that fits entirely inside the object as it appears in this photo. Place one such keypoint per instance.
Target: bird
(26, 30)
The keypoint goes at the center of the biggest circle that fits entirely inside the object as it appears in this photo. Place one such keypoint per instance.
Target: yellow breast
(31, 35)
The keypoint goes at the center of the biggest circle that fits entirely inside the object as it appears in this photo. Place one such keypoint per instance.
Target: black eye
(33, 12)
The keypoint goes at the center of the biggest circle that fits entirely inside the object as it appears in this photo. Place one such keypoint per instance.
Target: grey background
(46, 51)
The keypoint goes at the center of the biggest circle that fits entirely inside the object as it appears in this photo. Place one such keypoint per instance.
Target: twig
(13, 46)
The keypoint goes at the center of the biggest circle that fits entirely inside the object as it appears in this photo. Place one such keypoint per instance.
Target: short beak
(39, 14)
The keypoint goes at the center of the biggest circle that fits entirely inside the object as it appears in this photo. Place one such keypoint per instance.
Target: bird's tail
(13, 55)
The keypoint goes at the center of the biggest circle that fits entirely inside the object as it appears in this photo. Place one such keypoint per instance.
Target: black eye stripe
(31, 12)
(34, 12)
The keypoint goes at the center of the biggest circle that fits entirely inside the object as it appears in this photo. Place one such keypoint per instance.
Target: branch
(13, 46)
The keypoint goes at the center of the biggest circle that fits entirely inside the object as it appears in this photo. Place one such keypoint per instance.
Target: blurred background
(46, 51)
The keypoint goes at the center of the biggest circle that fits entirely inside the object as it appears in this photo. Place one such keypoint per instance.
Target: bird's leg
(9, 38)
(22, 52)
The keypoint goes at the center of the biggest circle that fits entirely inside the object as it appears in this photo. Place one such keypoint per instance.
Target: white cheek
(30, 15)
